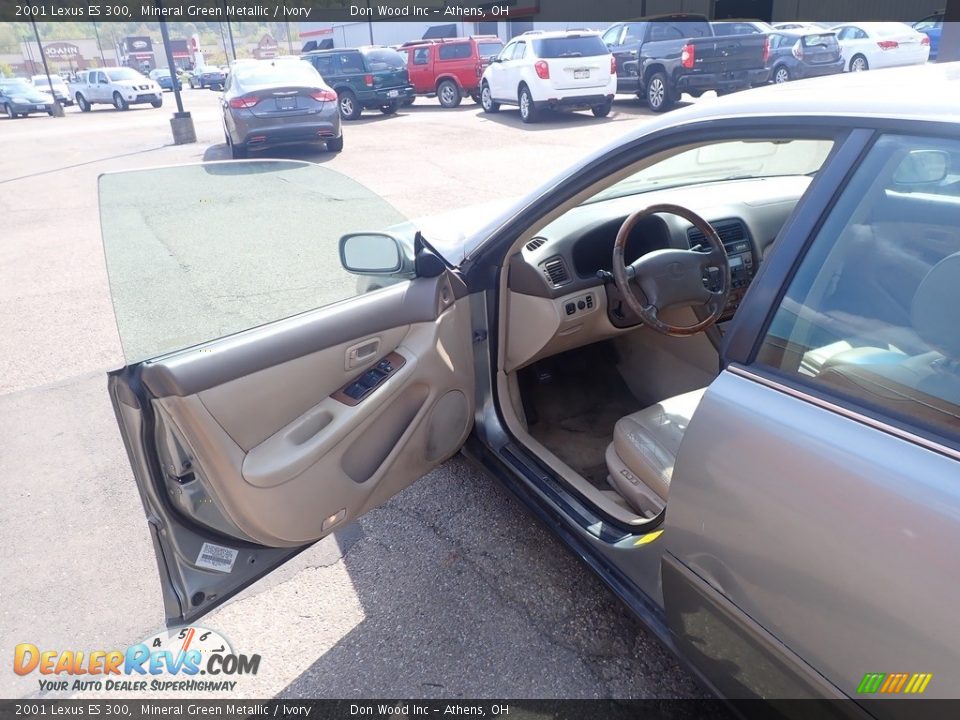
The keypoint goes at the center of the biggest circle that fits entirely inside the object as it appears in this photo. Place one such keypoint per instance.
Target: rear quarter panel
(838, 538)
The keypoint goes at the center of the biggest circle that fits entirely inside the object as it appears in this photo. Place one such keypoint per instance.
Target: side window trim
(756, 312)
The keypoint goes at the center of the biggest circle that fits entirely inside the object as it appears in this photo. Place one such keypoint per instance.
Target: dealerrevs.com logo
(182, 659)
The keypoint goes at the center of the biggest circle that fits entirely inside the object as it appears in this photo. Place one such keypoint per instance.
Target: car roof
(547, 34)
(851, 95)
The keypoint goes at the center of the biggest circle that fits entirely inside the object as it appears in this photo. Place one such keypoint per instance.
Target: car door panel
(280, 454)
(802, 546)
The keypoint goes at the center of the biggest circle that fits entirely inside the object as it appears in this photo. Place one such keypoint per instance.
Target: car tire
(487, 102)
(528, 109)
(335, 144)
(8, 109)
(350, 109)
(157, 103)
(119, 103)
(82, 103)
(858, 63)
(390, 108)
(238, 152)
(658, 95)
(449, 94)
(601, 111)
(475, 96)
(409, 101)
(780, 75)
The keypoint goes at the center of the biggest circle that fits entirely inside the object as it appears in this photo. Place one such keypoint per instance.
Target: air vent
(556, 271)
(730, 231)
(535, 243)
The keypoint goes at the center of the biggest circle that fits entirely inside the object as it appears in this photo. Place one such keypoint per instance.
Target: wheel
(486, 100)
(528, 110)
(859, 63)
(238, 152)
(409, 101)
(659, 98)
(349, 107)
(119, 103)
(335, 144)
(390, 108)
(601, 111)
(82, 103)
(449, 94)
(157, 103)
(50, 113)
(8, 109)
(781, 74)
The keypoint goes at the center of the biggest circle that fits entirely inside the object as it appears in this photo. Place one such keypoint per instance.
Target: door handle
(361, 352)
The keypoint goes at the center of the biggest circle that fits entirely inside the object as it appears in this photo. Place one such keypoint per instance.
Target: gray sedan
(18, 97)
(278, 102)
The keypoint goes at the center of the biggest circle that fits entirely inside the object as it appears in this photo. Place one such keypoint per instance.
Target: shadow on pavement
(463, 594)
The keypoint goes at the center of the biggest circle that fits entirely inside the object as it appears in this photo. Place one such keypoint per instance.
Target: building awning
(440, 31)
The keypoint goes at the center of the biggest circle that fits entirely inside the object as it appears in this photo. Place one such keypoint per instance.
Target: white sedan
(881, 44)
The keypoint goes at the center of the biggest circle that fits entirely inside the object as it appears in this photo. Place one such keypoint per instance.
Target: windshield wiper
(570, 54)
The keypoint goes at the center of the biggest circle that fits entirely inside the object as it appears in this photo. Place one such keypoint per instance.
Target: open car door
(264, 404)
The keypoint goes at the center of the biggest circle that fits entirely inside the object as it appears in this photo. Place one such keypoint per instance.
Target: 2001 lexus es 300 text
(720, 358)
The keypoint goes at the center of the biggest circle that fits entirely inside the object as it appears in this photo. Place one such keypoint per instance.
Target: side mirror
(496, 59)
(922, 166)
(370, 254)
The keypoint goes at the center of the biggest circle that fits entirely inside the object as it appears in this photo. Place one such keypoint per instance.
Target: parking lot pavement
(448, 590)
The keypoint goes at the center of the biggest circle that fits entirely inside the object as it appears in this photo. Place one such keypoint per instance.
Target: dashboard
(567, 261)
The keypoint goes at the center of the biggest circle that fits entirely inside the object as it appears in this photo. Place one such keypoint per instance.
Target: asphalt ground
(449, 590)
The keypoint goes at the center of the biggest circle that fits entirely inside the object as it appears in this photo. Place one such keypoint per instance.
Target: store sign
(139, 44)
(60, 50)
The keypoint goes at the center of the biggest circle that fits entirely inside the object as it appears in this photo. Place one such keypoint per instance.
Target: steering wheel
(672, 278)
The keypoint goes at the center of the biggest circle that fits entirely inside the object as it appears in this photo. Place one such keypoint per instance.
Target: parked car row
(803, 49)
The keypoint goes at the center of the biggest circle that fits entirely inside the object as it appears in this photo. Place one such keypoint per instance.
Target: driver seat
(644, 449)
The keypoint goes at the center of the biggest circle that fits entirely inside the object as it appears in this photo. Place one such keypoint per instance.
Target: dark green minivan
(364, 78)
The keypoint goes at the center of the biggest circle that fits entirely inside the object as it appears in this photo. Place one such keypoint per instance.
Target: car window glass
(421, 56)
(507, 52)
(633, 33)
(351, 63)
(454, 51)
(871, 314)
(573, 46)
(323, 64)
(612, 35)
(101, 77)
(519, 51)
(198, 252)
(380, 60)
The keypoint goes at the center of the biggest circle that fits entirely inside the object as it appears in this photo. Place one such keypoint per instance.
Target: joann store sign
(61, 50)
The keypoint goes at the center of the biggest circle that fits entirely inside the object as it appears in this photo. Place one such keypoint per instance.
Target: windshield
(577, 46)
(42, 80)
(736, 160)
(124, 74)
(489, 49)
(280, 73)
(202, 251)
(17, 86)
(383, 60)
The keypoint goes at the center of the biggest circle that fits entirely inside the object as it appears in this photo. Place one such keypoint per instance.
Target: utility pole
(233, 49)
(57, 107)
(181, 123)
(96, 32)
(289, 39)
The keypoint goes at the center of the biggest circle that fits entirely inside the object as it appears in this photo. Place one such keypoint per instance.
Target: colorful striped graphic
(894, 683)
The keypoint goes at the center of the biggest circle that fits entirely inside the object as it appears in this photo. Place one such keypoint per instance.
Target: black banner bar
(320, 11)
(142, 709)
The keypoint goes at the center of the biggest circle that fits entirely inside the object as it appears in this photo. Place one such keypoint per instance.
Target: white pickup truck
(117, 86)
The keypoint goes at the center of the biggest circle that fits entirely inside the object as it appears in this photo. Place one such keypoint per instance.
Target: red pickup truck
(449, 68)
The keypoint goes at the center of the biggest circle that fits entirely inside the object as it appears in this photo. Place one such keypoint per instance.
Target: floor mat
(578, 399)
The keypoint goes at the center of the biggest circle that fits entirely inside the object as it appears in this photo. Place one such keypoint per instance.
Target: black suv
(364, 78)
